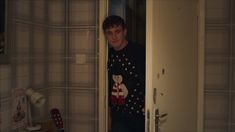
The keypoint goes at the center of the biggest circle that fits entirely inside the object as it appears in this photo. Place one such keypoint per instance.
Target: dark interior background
(134, 13)
(136, 20)
(2, 15)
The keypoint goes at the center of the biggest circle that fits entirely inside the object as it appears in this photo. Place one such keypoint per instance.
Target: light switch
(80, 58)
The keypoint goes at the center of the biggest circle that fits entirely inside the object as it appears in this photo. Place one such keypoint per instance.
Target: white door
(171, 67)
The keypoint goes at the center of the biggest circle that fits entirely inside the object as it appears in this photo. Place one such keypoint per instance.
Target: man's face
(116, 37)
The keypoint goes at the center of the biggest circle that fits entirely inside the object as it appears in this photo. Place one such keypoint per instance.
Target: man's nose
(114, 36)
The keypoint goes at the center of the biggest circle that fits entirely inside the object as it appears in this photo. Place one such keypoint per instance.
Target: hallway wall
(46, 36)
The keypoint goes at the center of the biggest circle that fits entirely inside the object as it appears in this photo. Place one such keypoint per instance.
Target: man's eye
(109, 33)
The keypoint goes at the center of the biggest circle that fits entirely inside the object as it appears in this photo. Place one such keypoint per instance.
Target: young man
(126, 73)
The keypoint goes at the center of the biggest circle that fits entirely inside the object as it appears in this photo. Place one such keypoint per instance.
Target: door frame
(201, 63)
(103, 110)
(149, 127)
(102, 57)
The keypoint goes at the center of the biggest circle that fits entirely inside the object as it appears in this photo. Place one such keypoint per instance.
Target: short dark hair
(113, 20)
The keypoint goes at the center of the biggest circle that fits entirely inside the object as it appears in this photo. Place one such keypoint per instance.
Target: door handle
(161, 115)
(158, 115)
(157, 119)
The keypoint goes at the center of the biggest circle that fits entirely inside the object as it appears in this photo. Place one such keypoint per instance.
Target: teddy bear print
(119, 91)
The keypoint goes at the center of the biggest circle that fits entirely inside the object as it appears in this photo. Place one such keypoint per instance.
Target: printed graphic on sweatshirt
(119, 91)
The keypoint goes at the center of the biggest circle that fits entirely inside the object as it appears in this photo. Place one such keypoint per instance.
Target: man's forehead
(115, 26)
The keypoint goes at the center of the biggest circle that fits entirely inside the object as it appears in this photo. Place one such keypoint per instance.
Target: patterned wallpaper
(46, 37)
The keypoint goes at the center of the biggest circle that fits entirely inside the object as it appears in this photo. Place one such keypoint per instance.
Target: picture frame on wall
(19, 111)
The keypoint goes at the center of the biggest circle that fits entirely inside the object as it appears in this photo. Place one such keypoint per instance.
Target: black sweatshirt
(126, 71)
